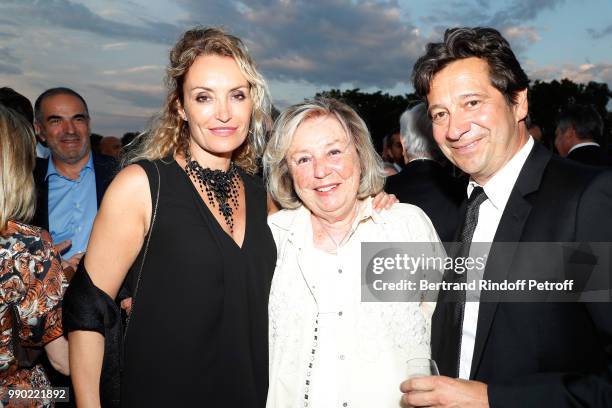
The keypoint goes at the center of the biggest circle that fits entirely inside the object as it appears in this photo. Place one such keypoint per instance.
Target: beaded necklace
(220, 187)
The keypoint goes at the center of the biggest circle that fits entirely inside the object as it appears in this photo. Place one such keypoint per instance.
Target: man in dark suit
(70, 184)
(509, 354)
(424, 182)
(579, 128)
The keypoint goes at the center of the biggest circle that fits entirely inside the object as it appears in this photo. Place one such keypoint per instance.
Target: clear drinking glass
(421, 367)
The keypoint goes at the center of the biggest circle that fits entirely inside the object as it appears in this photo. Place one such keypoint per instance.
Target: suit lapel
(100, 176)
(509, 231)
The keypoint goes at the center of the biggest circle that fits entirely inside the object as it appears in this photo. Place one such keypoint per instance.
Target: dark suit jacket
(427, 185)
(542, 354)
(591, 155)
(105, 168)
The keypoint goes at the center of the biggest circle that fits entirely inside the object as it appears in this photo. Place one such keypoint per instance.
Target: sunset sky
(114, 52)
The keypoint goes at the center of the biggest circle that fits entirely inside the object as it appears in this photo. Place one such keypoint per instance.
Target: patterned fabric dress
(32, 280)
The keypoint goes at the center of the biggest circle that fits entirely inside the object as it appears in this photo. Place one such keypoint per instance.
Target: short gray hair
(416, 133)
(53, 92)
(276, 169)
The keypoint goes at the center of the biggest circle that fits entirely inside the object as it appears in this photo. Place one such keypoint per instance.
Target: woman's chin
(336, 211)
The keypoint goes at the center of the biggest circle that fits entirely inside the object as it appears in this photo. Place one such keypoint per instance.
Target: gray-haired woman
(327, 348)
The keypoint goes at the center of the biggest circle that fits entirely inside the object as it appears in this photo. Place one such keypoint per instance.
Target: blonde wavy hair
(276, 169)
(169, 133)
(17, 161)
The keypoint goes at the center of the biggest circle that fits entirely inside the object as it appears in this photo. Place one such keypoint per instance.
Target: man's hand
(63, 246)
(126, 304)
(70, 265)
(383, 200)
(444, 392)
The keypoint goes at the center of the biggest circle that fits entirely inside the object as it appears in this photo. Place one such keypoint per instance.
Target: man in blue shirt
(71, 183)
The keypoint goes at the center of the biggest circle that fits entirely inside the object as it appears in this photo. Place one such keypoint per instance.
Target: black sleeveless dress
(198, 335)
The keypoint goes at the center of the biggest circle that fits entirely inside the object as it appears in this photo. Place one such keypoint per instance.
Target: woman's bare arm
(57, 353)
(116, 238)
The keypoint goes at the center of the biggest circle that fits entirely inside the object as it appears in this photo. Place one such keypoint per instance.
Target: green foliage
(380, 112)
(546, 99)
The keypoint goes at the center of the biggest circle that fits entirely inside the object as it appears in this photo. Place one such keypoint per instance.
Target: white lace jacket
(376, 339)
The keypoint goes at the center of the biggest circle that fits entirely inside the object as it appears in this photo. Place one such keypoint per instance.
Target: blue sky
(114, 52)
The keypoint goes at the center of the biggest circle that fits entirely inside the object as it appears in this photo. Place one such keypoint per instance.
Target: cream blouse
(327, 348)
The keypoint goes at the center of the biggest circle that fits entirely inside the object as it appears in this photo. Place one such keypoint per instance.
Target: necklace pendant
(220, 187)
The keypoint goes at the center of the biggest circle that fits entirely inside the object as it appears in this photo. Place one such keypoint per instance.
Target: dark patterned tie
(466, 232)
(457, 305)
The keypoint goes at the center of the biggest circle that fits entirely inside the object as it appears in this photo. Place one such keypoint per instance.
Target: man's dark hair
(584, 119)
(52, 92)
(485, 43)
(17, 102)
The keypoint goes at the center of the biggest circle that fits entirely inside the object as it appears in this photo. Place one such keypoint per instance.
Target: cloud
(511, 19)
(597, 34)
(581, 73)
(7, 22)
(326, 42)
(520, 37)
(115, 46)
(520, 11)
(148, 97)
(134, 70)
(71, 15)
(363, 43)
(9, 69)
(521, 33)
(9, 63)
(7, 35)
(480, 13)
(105, 123)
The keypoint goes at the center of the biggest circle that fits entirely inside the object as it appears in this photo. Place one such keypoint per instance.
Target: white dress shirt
(498, 190)
(358, 358)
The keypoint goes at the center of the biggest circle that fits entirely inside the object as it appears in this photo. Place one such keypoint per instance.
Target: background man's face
(111, 146)
(64, 127)
(472, 122)
(395, 149)
(563, 140)
(535, 132)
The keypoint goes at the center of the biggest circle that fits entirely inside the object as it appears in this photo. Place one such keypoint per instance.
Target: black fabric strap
(86, 307)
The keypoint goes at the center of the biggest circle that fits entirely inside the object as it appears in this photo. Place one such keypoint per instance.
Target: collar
(499, 187)
(420, 159)
(574, 147)
(297, 221)
(51, 170)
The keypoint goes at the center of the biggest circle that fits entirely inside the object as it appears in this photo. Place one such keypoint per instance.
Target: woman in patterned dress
(31, 279)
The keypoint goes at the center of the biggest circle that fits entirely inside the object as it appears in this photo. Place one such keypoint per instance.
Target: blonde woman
(197, 334)
(31, 279)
